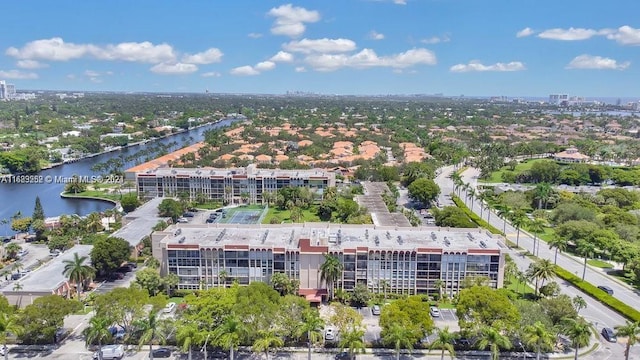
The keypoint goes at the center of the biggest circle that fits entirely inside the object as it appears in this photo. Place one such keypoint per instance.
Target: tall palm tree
(17, 287)
(585, 249)
(330, 272)
(8, 324)
(539, 338)
(518, 219)
(94, 222)
(353, 340)
(444, 341)
(266, 341)
(560, 244)
(187, 335)
(632, 331)
(579, 303)
(542, 270)
(578, 331)
(536, 227)
(440, 285)
(222, 277)
(148, 327)
(12, 250)
(98, 330)
(471, 195)
(311, 326)
(503, 212)
(494, 340)
(399, 336)
(77, 271)
(230, 334)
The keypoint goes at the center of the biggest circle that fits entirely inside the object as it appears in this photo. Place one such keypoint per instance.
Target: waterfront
(21, 197)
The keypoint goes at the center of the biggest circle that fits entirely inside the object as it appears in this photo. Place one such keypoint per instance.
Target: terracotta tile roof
(164, 160)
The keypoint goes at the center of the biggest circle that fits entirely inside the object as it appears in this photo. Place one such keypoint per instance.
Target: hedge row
(475, 218)
(591, 290)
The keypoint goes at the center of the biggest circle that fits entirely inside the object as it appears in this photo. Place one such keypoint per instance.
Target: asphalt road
(596, 313)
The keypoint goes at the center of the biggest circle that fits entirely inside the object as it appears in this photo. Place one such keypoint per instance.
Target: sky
(360, 47)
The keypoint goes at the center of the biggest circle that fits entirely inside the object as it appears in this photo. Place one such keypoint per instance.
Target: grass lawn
(518, 287)
(496, 176)
(96, 194)
(84, 311)
(308, 215)
(599, 263)
(209, 206)
(176, 299)
(625, 276)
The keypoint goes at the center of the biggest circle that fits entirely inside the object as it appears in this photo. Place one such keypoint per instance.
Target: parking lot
(447, 315)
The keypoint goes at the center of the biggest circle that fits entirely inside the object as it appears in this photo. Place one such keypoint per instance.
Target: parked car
(188, 214)
(210, 221)
(606, 289)
(169, 308)
(344, 356)
(609, 334)
(7, 239)
(434, 311)
(161, 353)
(375, 310)
(183, 220)
(329, 334)
(110, 352)
(23, 252)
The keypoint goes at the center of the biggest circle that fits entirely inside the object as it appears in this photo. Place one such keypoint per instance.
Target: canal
(21, 197)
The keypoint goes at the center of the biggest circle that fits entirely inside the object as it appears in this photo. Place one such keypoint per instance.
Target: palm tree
(444, 341)
(471, 195)
(77, 271)
(311, 326)
(536, 226)
(579, 303)
(148, 328)
(494, 340)
(222, 277)
(94, 222)
(98, 330)
(542, 193)
(585, 249)
(518, 219)
(267, 340)
(8, 324)
(578, 331)
(187, 334)
(399, 336)
(538, 337)
(632, 331)
(542, 270)
(560, 244)
(439, 284)
(352, 340)
(17, 287)
(503, 212)
(230, 334)
(330, 271)
(12, 250)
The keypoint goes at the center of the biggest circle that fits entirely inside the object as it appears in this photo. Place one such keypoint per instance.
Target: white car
(110, 352)
(329, 334)
(375, 310)
(434, 311)
(169, 308)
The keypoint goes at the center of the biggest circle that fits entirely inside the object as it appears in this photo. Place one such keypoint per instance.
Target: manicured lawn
(518, 287)
(308, 215)
(496, 176)
(97, 194)
(209, 206)
(599, 263)
(176, 299)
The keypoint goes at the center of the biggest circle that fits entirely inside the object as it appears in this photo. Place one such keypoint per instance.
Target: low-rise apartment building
(229, 185)
(395, 260)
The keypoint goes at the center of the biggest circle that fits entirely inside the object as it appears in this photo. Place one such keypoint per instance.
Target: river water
(21, 197)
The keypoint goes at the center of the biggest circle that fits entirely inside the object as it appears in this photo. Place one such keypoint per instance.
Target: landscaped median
(591, 290)
(475, 218)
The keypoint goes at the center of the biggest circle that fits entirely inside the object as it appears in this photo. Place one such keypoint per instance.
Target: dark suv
(606, 289)
(609, 334)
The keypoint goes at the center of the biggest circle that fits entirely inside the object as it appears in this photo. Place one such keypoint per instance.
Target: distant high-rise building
(7, 91)
(557, 99)
(3, 90)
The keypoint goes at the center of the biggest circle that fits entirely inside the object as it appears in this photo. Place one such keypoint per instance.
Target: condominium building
(229, 185)
(7, 91)
(396, 260)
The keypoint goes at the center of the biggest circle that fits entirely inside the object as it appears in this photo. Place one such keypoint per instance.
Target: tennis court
(242, 216)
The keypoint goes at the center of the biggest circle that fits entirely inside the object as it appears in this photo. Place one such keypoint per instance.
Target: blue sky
(470, 47)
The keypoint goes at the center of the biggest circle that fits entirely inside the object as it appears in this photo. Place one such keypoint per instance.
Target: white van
(110, 352)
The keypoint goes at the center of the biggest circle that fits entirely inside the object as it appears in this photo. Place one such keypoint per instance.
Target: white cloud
(174, 69)
(254, 35)
(301, 69)
(374, 35)
(244, 71)
(282, 56)
(367, 58)
(290, 21)
(436, 39)
(265, 66)
(56, 49)
(91, 73)
(30, 64)
(17, 74)
(95, 80)
(475, 65)
(209, 56)
(324, 45)
(625, 35)
(211, 74)
(596, 62)
(525, 32)
(400, 2)
(572, 34)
